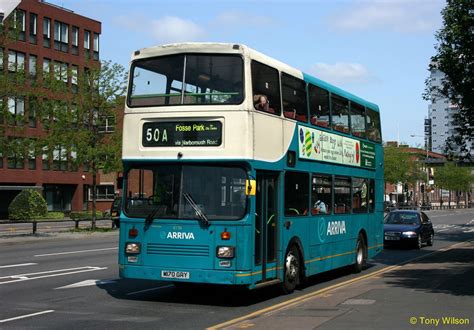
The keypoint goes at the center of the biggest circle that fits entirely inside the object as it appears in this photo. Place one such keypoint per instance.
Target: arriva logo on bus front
(177, 235)
(336, 228)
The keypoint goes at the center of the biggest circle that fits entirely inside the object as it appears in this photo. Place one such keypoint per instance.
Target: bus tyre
(292, 271)
(361, 255)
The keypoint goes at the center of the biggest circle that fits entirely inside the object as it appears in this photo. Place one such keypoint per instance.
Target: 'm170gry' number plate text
(173, 274)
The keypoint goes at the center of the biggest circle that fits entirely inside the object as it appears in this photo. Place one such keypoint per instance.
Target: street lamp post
(426, 169)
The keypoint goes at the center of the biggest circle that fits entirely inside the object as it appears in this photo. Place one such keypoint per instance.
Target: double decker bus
(241, 170)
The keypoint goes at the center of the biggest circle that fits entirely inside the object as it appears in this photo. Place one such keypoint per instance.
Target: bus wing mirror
(251, 187)
(120, 182)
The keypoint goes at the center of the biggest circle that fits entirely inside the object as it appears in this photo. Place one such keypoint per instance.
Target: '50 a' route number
(154, 135)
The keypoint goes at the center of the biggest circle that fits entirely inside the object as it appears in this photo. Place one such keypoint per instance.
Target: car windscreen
(404, 218)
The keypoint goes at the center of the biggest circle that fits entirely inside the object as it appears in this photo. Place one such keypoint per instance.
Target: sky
(378, 50)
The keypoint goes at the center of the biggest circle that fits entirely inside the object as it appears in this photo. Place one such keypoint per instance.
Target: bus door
(266, 224)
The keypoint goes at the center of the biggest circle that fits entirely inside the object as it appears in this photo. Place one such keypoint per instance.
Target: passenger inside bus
(263, 104)
(320, 208)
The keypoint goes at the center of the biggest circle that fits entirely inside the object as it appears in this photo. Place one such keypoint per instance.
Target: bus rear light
(225, 235)
(225, 252)
(132, 233)
(132, 248)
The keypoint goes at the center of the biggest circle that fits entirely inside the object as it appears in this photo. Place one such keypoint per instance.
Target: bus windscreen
(186, 80)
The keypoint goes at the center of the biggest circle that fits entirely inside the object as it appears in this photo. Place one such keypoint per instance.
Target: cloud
(167, 29)
(174, 29)
(341, 73)
(240, 19)
(397, 15)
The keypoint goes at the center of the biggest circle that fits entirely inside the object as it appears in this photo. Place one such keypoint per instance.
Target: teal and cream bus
(241, 170)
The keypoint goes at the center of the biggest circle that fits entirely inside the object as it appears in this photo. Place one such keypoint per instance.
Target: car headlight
(132, 248)
(225, 252)
(409, 233)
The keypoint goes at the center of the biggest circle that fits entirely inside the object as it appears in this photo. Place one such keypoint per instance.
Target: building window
(45, 159)
(60, 71)
(75, 40)
(32, 65)
(61, 36)
(319, 106)
(32, 107)
(16, 61)
(296, 193)
(87, 42)
(33, 27)
(19, 24)
(60, 159)
(47, 32)
(107, 124)
(31, 158)
(46, 66)
(16, 109)
(103, 191)
(16, 155)
(96, 46)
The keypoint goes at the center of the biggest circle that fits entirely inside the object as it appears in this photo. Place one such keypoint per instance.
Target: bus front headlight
(132, 248)
(225, 252)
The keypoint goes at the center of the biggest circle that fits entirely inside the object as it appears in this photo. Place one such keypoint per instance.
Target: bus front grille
(178, 250)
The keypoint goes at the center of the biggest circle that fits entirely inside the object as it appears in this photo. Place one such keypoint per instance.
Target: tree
(454, 178)
(455, 58)
(401, 166)
(76, 123)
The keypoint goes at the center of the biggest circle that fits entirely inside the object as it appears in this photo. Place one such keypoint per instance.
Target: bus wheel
(292, 270)
(361, 255)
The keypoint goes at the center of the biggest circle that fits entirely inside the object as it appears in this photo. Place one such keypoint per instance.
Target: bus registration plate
(173, 274)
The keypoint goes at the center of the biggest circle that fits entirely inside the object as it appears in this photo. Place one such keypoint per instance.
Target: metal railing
(35, 223)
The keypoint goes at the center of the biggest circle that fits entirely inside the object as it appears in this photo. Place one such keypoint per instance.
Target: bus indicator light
(225, 235)
(251, 187)
(132, 233)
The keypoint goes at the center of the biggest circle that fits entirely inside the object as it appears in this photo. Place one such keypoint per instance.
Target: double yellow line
(310, 295)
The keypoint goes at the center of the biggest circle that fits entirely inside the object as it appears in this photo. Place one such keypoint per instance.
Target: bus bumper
(208, 276)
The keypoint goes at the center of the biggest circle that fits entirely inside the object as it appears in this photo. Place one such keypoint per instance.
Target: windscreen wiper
(197, 209)
(150, 217)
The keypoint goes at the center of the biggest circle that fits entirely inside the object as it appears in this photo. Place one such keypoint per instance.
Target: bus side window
(294, 98)
(340, 113)
(342, 195)
(373, 126)
(319, 106)
(266, 83)
(296, 193)
(358, 120)
(321, 194)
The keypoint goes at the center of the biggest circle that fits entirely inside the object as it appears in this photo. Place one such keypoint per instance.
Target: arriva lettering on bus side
(179, 235)
(336, 228)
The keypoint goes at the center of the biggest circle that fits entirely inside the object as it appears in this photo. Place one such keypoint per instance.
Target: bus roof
(210, 47)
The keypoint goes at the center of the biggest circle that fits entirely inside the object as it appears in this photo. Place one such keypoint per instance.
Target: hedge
(27, 205)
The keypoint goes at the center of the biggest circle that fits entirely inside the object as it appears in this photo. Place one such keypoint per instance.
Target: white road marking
(25, 316)
(50, 273)
(19, 265)
(73, 252)
(152, 289)
(86, 283)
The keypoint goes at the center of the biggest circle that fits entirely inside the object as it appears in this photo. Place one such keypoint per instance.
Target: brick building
(49, 38)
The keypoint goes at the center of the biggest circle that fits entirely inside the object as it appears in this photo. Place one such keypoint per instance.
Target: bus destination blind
(182, 134)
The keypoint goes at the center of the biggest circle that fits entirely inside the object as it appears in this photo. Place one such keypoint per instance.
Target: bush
(53, 216)
(27, 205)
(85, 215)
